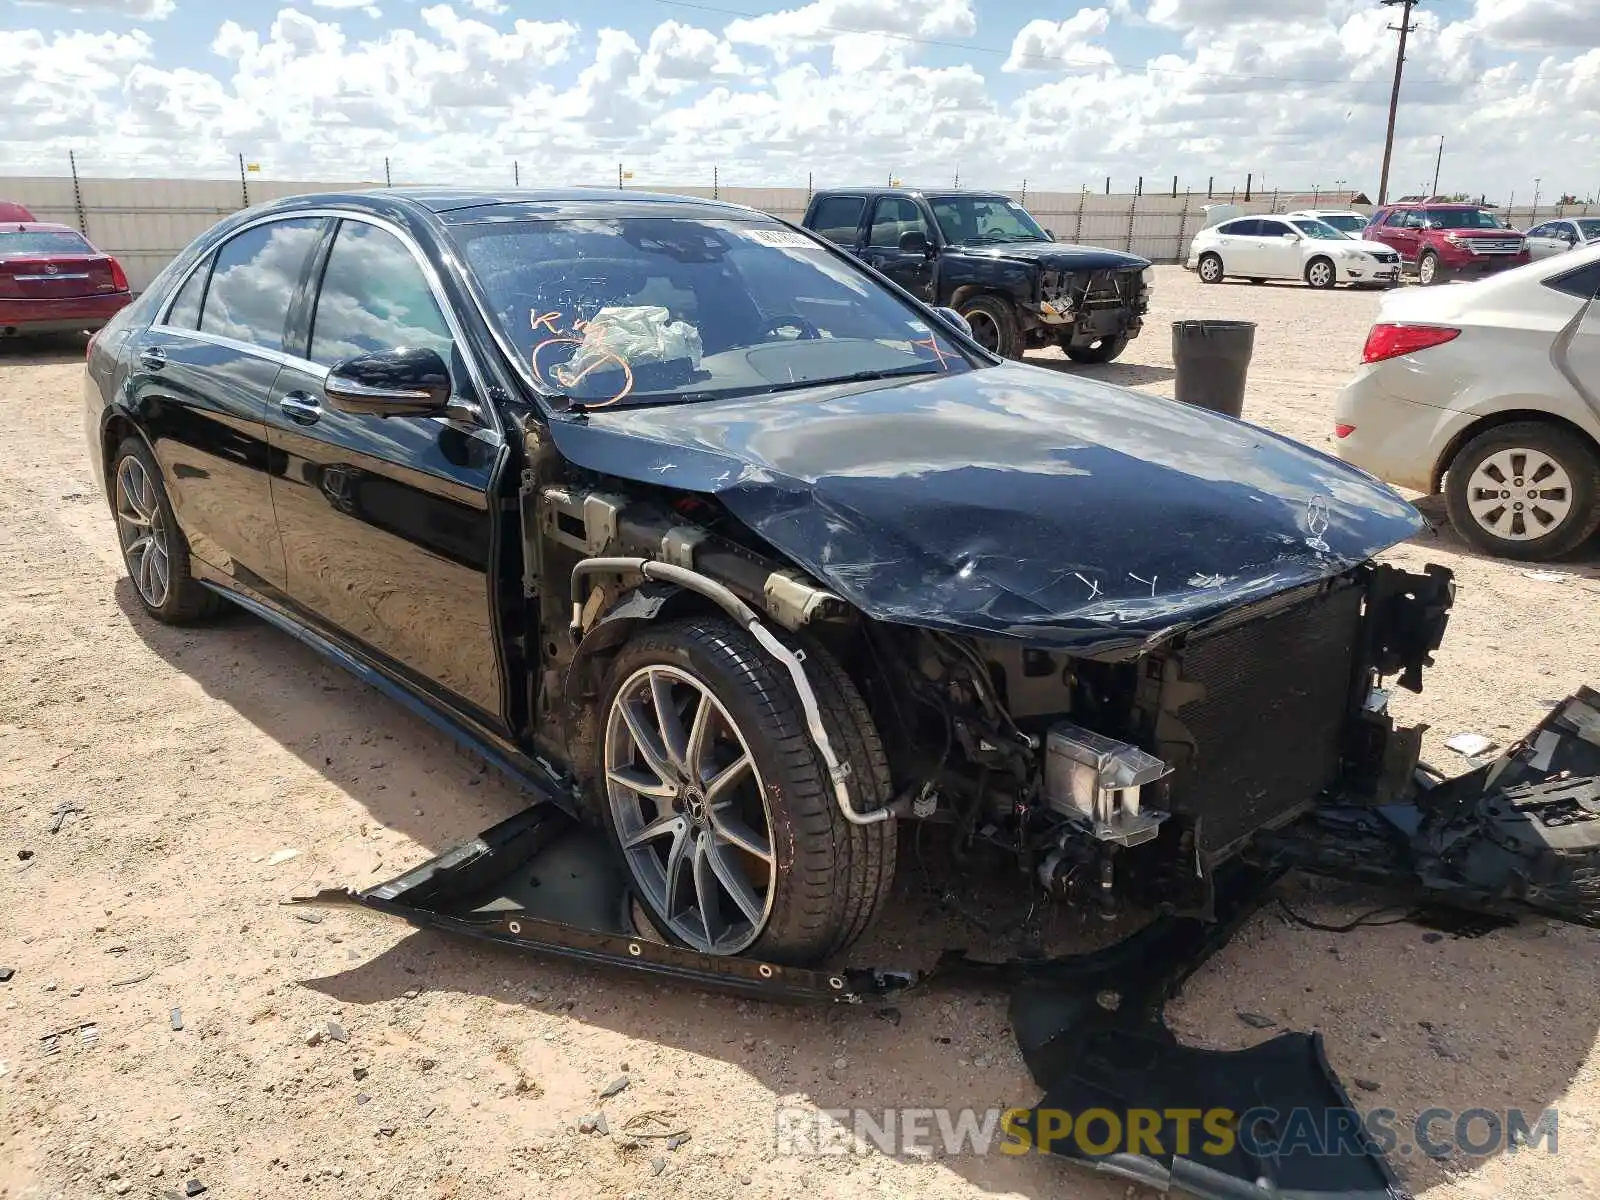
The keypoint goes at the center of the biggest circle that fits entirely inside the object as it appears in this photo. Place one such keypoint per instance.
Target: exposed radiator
(1269, 727)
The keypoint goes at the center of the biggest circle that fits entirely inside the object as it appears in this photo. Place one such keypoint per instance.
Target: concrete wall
(145, 222)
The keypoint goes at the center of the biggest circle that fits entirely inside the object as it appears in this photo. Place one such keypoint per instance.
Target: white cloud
(491, 7)
(144, 10)
(366, 6)
(1538, 24)
(452, 95)
(1061, 45)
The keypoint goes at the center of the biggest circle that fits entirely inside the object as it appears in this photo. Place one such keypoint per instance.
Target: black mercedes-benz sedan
(718, 538)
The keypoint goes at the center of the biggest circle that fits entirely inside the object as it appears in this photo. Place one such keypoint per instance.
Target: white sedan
(1558, 237)
(1261, 248)
(1492, 391)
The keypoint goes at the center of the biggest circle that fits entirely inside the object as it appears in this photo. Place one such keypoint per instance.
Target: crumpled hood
(1058, 256)
(1012, 501)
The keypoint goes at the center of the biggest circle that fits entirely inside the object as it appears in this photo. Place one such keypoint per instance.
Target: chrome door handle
(300, 408)
(153, 358)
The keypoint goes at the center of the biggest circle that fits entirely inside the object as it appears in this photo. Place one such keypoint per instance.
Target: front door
(202, 376)
(388, 522)
(892, 219)
(1278, 250)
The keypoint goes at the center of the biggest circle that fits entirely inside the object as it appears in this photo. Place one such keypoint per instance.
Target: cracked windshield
(653, 310)
(980, 220)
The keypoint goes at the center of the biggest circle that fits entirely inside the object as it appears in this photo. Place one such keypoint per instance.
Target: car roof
(1321, 212)
(466, 205)
(36, 227)
(912, 193)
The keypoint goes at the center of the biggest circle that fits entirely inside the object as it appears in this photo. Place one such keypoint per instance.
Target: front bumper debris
(1519, 835)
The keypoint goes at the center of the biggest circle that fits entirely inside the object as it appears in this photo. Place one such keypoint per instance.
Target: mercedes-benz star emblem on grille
(1317, 521)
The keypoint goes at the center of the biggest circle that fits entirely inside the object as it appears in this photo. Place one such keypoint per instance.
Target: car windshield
(1462, 218)
(42, 241)
(1345, 222)
(655, 310)
(977, 220)
(1320, 230)
(1589, 227)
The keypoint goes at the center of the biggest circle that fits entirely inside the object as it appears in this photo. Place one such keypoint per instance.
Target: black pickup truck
(981, 254)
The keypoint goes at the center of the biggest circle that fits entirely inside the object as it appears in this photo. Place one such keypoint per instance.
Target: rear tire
(153, 547)
(1209, 268)
(1102, 350)
(994, 325)
(823, 879)
(1564, 471)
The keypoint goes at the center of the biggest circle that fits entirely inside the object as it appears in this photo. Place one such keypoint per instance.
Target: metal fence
(145, 222)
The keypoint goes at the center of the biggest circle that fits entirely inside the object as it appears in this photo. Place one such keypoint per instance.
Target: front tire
(153, 547)
(1209, 268)
(1320, 273)
(1527, 490)
(1429, 272)
(994, 325)
(1101, 350)
(720, 805)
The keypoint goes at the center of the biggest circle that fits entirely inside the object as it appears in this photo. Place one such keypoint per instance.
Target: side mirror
(390, 383)
(1293, 237)
(951, 317)
(914, 241)
(1051, 234)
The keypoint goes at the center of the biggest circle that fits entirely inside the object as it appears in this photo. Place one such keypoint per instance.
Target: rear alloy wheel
(722, 808)
(153, 547)
(994, 325)
(1428, 269)
(1101, 350)
(1526, 491)
(1320, 273)
(1210, 268)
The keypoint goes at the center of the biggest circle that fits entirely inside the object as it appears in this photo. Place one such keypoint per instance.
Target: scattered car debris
(359, 1073)
(657, 1165)
(193, 1187)
(1470, 744)
(24, 855)
(614, 1087)
(310, 918)
(336, 1032)
(1255, 1020)
(132, 979)
(313, 1037)
(594, 1122)
(61, 812)
(362, 1098)
(7, 974)
(177, 1019)
(281, 856)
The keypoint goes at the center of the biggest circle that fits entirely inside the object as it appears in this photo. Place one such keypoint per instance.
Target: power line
(1031, 59)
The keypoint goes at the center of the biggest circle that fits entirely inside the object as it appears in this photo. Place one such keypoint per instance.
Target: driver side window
(374, 297)
(894, 217)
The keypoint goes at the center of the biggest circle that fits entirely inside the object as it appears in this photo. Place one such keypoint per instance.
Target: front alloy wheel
(689, 808)
(142, 530)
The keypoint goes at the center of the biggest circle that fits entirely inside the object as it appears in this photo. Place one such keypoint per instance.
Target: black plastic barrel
(1212, 359)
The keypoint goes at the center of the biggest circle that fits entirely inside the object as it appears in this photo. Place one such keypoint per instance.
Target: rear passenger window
(837, 218)
(1583, 283)
(185, 310)
(374, 297)
(254, 281)
(1248, 227)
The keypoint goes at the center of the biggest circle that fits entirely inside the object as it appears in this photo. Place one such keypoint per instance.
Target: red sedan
(52, 280)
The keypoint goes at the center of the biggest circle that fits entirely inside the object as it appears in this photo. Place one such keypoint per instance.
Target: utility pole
(1437, 159)
(1404, 27)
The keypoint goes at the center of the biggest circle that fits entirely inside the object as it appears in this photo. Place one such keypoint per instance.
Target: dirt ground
(197, 760)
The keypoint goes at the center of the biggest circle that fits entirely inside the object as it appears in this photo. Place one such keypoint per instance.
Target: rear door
(837, 218)
(892, 218)
(201, 377)
(388, 522)
(1545, 240)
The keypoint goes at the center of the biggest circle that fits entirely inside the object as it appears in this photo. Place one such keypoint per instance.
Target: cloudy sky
(851, 90)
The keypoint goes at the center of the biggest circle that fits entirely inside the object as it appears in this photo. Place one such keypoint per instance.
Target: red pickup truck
(1439, 241)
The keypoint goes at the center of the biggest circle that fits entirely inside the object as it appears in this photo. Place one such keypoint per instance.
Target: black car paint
(950, 273)
(1013, 501)
(442, 527)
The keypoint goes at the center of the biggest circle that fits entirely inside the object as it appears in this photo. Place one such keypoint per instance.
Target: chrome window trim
(429, 274)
